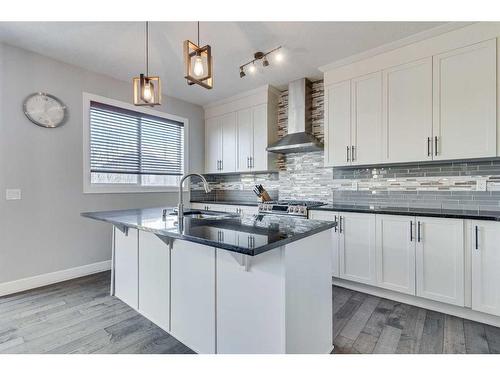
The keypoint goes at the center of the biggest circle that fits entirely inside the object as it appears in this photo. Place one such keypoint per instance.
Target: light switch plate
(12, 194)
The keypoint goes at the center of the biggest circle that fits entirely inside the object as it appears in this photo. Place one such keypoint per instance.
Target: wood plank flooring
(366, 324)
(79, 316)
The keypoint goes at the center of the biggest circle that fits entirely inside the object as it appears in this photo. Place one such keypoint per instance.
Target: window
(130, 149)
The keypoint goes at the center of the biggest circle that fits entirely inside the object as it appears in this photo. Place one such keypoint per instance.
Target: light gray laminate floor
(79, 316)
(368, 324)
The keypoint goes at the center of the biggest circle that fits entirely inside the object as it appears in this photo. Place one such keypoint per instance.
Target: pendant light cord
(198, 33)
(147, 48)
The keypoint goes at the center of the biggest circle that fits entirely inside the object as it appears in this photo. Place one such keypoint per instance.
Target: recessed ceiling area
(117, 48)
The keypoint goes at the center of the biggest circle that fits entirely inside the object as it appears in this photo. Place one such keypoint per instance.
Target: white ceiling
(117, 48)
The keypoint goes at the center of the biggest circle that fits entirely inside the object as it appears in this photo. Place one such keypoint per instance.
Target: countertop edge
(381, 211)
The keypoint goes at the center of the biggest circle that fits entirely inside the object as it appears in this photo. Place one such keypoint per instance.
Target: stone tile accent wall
(302, 176)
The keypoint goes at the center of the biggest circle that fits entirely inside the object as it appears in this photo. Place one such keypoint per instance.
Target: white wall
(44, 232)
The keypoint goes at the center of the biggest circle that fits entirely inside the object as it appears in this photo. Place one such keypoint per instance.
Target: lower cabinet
(154, 279)
(357, 247)
(396, 253)
(440, 259)
(126, 266)
(330, 216)
(193, 295)
(485, 253)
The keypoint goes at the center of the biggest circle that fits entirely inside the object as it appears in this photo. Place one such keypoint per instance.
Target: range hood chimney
(299, 137)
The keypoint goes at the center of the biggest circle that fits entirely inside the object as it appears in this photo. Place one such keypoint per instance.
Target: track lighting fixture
(260, 56)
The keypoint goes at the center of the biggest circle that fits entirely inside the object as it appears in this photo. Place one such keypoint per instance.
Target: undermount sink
(207, 215)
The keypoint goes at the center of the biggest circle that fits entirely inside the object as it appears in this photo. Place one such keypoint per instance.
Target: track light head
(265, 62)
(242, 72)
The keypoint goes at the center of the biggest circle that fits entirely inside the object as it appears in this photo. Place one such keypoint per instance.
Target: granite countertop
(408, 211)
(268, 231)
(230, 203)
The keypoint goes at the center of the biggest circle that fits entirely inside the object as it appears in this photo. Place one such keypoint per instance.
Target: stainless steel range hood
(299, 137)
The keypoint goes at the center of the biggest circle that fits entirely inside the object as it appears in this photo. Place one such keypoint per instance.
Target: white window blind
(134, 143)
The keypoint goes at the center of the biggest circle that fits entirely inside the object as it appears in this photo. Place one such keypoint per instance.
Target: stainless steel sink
(207, 215)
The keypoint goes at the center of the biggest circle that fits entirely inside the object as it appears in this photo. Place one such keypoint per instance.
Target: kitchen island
(226, 283)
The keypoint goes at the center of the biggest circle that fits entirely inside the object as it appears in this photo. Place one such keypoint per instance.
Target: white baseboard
(52, 278)
(461, 312)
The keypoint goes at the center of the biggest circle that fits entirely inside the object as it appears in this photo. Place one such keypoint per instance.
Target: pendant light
(147, 89)
(198, 64)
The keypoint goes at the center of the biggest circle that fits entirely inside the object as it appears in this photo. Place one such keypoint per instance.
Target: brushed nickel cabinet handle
(347, 153)
(340, 224)
(418, 232)
(335, 222)
(428, 146)
(352, 153)
(435, 145)
(411, 231)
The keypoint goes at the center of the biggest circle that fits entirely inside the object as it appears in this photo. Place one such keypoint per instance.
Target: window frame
(91, 188)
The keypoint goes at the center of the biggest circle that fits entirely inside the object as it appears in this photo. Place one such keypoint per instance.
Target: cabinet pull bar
(347, 153)
(335, 222)
(418, 230)
(340, 224)
(352, 153)
(435, 145)
(411, 231)
(428, 146)
(477, 238)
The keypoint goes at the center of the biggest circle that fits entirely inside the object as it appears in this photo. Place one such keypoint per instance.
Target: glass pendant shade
(198, 65)
(147, 90)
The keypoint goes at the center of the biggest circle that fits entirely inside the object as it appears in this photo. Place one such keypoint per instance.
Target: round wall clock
(45, 110)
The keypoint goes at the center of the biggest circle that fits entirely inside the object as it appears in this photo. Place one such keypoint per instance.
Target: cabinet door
(193, 295)
(127, 267)
(338, 124)
(366, 129)
(440, 259)
(229, 137)
(357, 247)
(330, 216)
(250, 304)
(154, 279)
(407, 112)
(396, 253)
(212, 145)
(465, 85)
(260, 139)
(245, 139)
(485, 247)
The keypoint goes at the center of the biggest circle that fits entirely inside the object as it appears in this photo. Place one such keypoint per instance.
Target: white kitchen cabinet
(213, 145)
(465, 102)
(193, 295)
(485, 249)
(366, 123)
(126, 267)
(357, 247)
(154, 279)
(245, 139)
(338, 124)
(395, 253)
(247, 125)
(330, 216)
(440, 259)
(229, 150)
(407, 112)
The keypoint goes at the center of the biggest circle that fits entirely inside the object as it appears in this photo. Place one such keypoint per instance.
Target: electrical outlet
(12, 194)
(481, 184)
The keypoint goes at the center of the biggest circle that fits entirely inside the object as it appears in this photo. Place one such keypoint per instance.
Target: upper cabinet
(407, 112)
(238, 131)
(465, 84)
(354, 118)
(440, 106)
